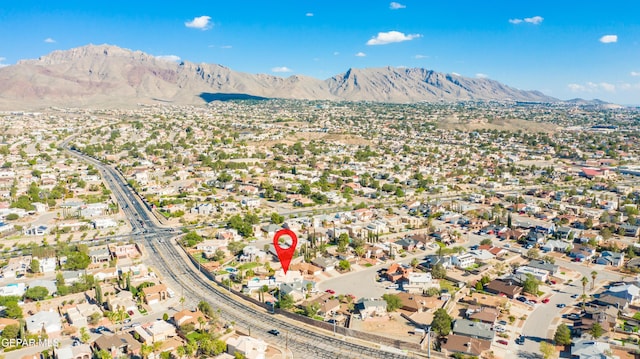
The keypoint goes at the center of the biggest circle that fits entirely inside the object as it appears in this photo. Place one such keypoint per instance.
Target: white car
(499, 329)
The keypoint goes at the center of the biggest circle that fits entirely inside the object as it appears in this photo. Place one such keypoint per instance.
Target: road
(169, 261)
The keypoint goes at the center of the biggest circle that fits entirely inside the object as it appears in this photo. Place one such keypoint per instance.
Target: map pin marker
(285, 254)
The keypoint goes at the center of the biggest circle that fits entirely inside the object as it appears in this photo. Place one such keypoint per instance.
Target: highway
(298, 340)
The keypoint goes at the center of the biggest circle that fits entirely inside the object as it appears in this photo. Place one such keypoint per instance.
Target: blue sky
(566, 49)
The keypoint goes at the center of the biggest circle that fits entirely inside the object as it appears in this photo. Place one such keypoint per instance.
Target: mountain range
(110, 76)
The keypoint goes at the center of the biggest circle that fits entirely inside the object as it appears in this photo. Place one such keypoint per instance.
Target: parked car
(130, 312)
(275, 332)
(522, 299)
(499, 329)
(330, 291)
(520, 340)
(561, 305)
(502, 322)
(503, 342)
(545, 300)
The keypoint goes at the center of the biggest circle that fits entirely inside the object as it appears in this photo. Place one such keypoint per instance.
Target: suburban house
(118, 345)
(611, 258)
(544, 265)
(247, 347)
(327, 264)
(473, 329)
(463, 261)
(500, 287)
(49, 322)
(155, 331)
(187, 317)
(590, 349)
(371, 307)
(462, 344)
(155, 294)
(629, 292)
(82, 351)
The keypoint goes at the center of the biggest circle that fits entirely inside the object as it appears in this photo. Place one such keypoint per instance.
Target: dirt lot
(393, 326)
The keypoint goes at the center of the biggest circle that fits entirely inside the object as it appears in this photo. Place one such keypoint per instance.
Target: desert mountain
(109, 76)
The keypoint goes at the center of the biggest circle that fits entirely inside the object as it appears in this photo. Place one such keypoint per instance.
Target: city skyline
(565, 51)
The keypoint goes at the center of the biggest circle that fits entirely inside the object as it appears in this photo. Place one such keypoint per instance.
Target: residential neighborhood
(411, 231)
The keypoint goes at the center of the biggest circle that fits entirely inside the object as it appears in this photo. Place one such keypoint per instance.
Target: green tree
(102, 354)
(547, 349)
(563, 335)
(486, 242)
(438, 271)
(34, 266)
(533, 253)
(594, 275)
(10, 331)
(393, 302)
(344, 265)
(98, 292)
(531, 285)
(205, 308)
(441, 323)
(312, 309)
(277, 218)
(77, 260)
(84, 335)
(596, 330)
(191, 239)
(12, 310)
(36, 293)
(286, 302)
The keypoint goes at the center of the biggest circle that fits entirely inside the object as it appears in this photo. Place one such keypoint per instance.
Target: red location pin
(285, 254)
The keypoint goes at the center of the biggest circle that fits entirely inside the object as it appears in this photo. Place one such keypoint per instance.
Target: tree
(277, 218)
(84, 335)
(441, 323)
(596, 330)
(77, 260)
(563, 335)
(547, 349)
(594, 275)
(312, 309)
(343, 242)
(98, 291)
(531, 285)
(533, 253)
(102, 354)
(393, 302)
(191, 239)
(12, 310)
(486, 242)
(414, 263)
(205, 308)
(165, 317)
(36, 293)
(344, 265)
(286, 302)
(584, 282)
(10, 331)
(438, 271)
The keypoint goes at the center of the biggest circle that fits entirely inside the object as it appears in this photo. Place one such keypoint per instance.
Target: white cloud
(384, 38)
(309, 14)
(607, 39)
(396, 5)
(199, 22)
(281, 69)
(635, 73)
(590, 87)
(535, 20)
(361, 54)
(226, 46)
(171, 58)
(607, 87)
(482, 76)
(576, 88)
(49, 40)
(2, 60)
(417, 57)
